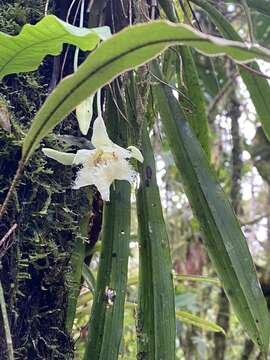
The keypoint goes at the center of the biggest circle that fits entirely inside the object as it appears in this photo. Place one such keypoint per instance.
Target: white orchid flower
(101, 166)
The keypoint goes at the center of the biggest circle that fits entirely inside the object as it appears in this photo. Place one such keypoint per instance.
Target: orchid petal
(135, 153)
(98, 176)
(61, 157)
(121, 170)
(84, 178)
(104, 190)
(84, 113)
(100, 136)
(121, 152)
(83, 156)
(103, 175)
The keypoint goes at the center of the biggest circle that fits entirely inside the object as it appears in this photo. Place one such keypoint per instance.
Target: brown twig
(68, 46)
(5, 238)
(254, 72)
(11, 189)
(213, 106)
(254, 221)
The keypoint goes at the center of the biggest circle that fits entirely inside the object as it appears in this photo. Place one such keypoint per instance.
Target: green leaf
(197, 117)
(258, 87)
(24, 52)
(89, 278)
(199, 279)
(261, 26)
(223, 237)
(126, 50)
(156, 312)
(191, 319)
(197, 114)
(261, 6)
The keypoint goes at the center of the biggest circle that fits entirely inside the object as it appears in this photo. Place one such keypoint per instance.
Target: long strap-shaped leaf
(224, 239)
(156, 313)
(24, 52)
(195, 320)
(258, 87)
(106, 321)
(129, 48)
(197, 117)
(187, 318)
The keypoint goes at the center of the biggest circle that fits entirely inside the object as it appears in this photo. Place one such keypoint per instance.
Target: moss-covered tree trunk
(35, 259)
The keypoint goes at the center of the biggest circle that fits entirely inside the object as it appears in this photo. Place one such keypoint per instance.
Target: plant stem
(11, 189)
(10, 351)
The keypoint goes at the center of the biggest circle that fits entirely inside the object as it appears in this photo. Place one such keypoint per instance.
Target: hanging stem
(76, 55)
(99, 108)
(10, 351)
(12, 188)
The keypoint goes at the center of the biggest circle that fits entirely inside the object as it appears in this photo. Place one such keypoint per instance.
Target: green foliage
(197, 114)
(25, 51)
(224, 239)
(261, 27)
(125, 50)
(156, 317)
(15, 14)
(261, 6)
(260, 152)
(189, 318)
(199, 279)
(258, 87)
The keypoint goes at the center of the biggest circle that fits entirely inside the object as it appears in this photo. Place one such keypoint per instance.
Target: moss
(47, 213)
(15, 14)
